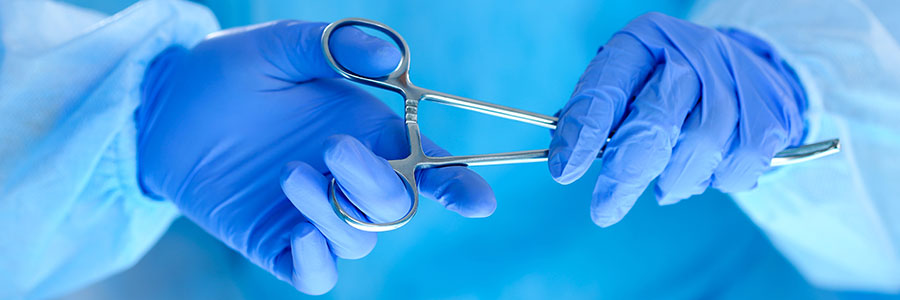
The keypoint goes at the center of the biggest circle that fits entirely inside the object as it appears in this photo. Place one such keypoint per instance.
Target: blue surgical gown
(834, 220)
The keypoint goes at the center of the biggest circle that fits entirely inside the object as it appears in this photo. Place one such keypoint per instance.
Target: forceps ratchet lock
(398, 81)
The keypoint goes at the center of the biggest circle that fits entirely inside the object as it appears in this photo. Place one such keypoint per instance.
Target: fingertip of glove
(478, 208)
(462, 191)
(294, 176)
(560, 169)
(667, 200)
(363, 249)
(314, 271)
(556, 165)
(564, 180)
(604, 220)
(475, 206)
(319, 288)
(360, 245)
(365, 54)
(384, 57)
(664, 198)
(611, 201)
(304, 231)
(288, 169)
(337, 140)
(340, 146)
(605, 217)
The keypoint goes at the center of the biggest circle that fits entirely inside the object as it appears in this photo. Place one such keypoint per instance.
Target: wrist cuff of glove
(154, 85)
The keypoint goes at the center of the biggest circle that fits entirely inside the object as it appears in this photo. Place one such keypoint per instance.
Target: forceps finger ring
(398, 82)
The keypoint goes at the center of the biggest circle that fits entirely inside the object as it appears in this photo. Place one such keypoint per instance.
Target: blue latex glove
(222, 124)
(689, 105)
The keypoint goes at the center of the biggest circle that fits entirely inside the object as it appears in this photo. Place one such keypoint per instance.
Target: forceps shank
(490, 109)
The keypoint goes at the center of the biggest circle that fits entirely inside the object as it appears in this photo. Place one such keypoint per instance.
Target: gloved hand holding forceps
(221, 123)
(689, 106)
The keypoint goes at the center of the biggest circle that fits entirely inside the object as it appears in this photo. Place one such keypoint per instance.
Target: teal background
(540, 243)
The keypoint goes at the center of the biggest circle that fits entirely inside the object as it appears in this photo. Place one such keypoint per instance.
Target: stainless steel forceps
(398, 81)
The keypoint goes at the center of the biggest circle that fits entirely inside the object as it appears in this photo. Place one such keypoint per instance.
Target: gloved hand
(244, 131)
(688, 105)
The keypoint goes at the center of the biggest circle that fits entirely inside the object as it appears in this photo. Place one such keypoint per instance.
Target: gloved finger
(315, 272)
(704, 139)
(705, 135)
(597, 105)
(741, 167)
(367, 180)
(308, 264)
(297, 50)
(759, 136)
(306, 188)
(641, 147)
(457, 188)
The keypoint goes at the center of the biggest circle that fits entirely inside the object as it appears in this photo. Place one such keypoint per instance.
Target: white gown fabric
(838, 218)
(71, 212)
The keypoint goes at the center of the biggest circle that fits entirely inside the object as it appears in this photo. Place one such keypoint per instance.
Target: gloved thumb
(296, 48)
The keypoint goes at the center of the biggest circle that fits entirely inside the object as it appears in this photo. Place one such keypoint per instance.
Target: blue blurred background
(540, 243)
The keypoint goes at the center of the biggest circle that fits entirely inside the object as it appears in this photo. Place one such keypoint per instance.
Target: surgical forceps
(398, 81)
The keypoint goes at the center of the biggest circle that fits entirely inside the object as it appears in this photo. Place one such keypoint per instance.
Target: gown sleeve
(837, 219)
(71, 211)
